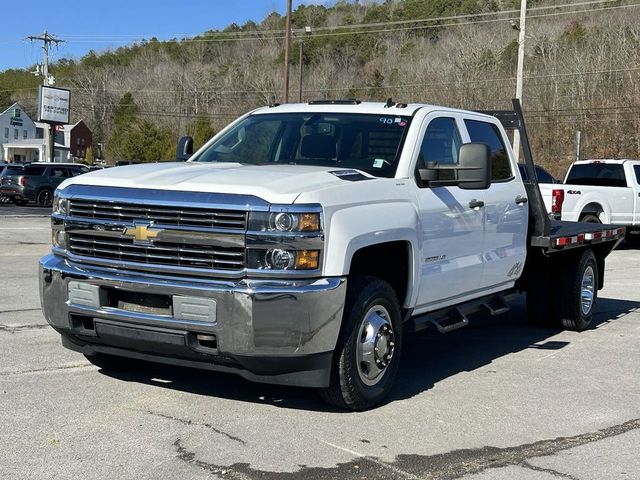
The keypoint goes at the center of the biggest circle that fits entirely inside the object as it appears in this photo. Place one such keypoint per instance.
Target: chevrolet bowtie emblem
(142, 233)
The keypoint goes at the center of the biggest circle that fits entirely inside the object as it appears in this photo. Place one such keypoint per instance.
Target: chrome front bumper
(274, 331)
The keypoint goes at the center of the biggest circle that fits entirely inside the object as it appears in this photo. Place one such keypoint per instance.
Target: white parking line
(25, 228)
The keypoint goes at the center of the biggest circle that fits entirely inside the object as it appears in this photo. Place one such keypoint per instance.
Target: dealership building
(18, 142)
(23, 141)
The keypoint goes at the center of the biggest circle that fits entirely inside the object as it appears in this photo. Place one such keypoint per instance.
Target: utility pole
(519, 76)
(46, 40)
(300, 71)
(307, 30)
(47, 80)
(287, 41)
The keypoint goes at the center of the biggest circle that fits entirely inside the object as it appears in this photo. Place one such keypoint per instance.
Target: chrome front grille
(158, 253)
(158, 214)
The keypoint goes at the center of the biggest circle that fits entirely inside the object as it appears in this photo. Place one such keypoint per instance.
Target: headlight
(59, 238)
(284, 221)
(60, 205)
(285, 238)
(281, 259)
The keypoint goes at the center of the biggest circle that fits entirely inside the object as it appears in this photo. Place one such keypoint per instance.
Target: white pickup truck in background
(598, 191)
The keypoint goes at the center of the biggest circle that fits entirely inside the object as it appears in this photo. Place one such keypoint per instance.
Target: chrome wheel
(376, 345)
(587, 290)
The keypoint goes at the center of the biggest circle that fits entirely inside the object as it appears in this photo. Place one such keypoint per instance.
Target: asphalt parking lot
(497, 400)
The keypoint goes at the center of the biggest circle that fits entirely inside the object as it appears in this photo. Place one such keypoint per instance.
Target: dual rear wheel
(564, 297)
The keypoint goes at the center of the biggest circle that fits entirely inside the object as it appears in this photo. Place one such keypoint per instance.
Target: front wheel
(44, 198)
(578, 291)
(368, 350)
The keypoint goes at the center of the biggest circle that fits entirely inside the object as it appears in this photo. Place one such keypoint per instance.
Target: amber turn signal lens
(307, 259)
(310, 222)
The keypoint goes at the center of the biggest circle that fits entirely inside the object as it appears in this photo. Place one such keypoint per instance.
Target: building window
(78, 141)
(82, 141)
(6, 132)
(24, 134)
(15, 133)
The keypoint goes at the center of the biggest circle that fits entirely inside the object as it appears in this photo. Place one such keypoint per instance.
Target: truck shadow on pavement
(427, 359)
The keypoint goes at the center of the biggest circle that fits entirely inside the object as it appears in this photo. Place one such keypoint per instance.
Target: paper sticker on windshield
(393, 121)
(378, 163)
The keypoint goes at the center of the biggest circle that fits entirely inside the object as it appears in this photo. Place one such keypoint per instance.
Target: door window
(440, 144)
(489, 134)
(58, 172)
(636, 168)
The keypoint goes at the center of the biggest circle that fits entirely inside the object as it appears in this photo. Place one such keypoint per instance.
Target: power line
(261, 33)
(368, 87)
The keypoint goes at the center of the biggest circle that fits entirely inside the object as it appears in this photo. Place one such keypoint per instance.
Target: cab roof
(352, 106)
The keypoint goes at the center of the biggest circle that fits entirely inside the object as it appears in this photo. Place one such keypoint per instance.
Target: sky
(85, 24)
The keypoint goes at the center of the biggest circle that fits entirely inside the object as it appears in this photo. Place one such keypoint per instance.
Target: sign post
(54, 105)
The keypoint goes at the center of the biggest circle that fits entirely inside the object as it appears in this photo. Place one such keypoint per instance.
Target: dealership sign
(54, 105)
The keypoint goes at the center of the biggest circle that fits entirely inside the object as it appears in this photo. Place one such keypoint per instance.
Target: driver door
(452, 228)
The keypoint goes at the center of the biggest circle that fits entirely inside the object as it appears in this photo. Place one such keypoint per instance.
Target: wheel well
(388, 261)
(592, 209)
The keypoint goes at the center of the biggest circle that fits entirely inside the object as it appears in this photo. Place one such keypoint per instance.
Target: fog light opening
(207, 341)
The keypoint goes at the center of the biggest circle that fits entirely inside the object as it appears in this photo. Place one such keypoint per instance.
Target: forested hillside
(581, 72)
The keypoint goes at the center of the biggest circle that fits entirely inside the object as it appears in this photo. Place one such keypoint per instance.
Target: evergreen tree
(5, 100)
(201, 130)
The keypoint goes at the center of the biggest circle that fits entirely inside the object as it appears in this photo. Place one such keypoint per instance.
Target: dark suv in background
(8, 170)
(37, 182)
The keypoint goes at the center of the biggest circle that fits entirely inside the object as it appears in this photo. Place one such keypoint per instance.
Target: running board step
(452, 318)
(497, 305)
(455, 320)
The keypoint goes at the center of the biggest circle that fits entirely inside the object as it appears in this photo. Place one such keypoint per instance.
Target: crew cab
(598, 191)
(304, 241)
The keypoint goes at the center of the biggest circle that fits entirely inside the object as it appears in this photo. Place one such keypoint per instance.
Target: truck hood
(273, 183)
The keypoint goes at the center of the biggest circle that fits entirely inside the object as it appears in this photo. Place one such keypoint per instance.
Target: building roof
(13, 106)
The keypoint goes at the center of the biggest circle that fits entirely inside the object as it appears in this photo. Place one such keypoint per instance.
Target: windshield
(367, 142)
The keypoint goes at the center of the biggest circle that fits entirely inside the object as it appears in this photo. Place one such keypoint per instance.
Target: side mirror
(475, 166)
(185, 149)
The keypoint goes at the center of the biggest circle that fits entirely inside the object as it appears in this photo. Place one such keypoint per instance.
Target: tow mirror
(185, 149)
(475, 166)
(473, 169)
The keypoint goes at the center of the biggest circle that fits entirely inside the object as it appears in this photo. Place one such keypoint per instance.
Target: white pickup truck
(301, 243)
(598, 191)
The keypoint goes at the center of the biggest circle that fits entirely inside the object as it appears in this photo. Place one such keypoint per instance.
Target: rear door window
(58, 172)
(489, 134)
(34, 169)
(599, 174)
(636, 168)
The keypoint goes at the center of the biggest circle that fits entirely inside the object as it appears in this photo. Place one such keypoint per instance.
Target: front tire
(368, 350)
(578, 291)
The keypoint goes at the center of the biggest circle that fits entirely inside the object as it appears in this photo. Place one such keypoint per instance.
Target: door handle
(520, 200)
(476, 204)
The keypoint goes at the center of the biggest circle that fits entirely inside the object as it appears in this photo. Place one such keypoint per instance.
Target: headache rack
(551, 235)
